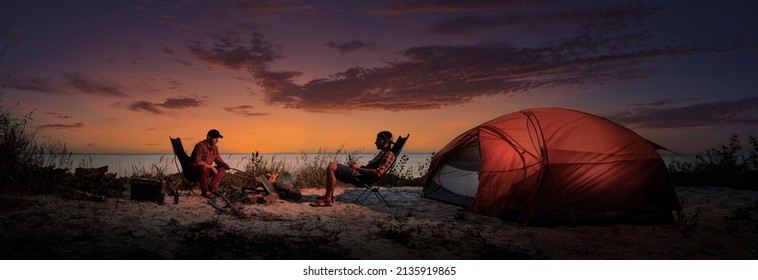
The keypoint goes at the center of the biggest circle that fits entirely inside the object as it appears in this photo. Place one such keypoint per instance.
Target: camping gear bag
(144, 189)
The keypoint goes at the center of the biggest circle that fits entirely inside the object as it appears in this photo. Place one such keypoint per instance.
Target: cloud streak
(470, 17)
(258, 7)
(169, 103)
(74, 126)
(245, 111)
(352, 46)
(58, 115)
(424, 6)
(68, 83)
(741, 111)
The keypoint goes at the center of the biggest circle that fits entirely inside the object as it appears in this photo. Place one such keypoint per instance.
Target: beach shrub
(157, 170)
(403, 174)
(727, 165)
(312, 171)
(258, 165)
(29, 162)
(735, 220)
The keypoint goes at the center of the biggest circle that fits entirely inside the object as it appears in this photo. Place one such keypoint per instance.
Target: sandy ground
(719, 224)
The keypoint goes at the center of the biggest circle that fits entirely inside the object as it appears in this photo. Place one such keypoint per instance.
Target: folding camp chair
(369, 187)
(188, 179)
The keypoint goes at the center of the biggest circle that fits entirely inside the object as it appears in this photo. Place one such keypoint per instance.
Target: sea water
(136, 164)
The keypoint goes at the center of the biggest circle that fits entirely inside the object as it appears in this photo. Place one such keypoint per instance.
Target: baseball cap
(215, 134)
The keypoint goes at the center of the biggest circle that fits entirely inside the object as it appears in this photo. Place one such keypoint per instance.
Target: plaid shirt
(204, 152)
(381, 162)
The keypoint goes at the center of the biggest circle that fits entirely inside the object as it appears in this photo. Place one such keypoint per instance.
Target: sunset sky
(293, 76)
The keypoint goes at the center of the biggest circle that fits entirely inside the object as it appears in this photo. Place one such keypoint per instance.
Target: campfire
(256, 190)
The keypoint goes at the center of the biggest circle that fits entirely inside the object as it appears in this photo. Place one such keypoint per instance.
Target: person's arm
(218, 160)
(366, 171)
(387, 160)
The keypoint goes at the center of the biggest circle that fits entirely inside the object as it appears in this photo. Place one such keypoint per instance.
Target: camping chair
(369, 187)
(188, 179)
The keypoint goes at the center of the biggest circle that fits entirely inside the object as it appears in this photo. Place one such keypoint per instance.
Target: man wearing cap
(204, 155)
(345, 173)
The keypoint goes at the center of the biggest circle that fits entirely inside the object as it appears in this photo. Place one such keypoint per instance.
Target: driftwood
(272, 197)
(96, 172)
(212, 202)
(87, 195)
(230, 204)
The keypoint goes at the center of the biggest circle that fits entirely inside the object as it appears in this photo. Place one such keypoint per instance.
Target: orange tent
(551, 164)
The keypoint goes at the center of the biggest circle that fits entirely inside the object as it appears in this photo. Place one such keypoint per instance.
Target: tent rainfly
(552, 165)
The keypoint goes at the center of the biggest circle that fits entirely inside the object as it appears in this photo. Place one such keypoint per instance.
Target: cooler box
(144, 189)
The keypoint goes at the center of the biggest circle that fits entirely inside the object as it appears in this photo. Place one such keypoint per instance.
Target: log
(271, 197)
(230, 204)
(212, 202)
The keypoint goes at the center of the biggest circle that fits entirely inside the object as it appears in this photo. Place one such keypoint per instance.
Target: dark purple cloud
(422, 6)
(619, 16)
(470, 24)
(596, 20)
(662, 102)
(236, 51)
(438, 76)
(352, 46)
(86, 85)
(58, 115)
(67, 83)
(433, 77)
(741, 111)
(37, 84)
(170, 103)
(145, 106)
(61, 126)
(181, 103)
(270, 6)
(245, 111)
(604, 45)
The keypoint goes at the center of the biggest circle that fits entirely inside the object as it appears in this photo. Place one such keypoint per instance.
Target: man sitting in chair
(369, 172)
(204, 155)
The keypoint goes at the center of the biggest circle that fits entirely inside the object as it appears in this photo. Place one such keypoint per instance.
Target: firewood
(230, 204)
(272, 197)
(212, 202)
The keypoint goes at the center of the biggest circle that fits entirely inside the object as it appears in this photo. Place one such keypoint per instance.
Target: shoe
(208, 194)
(321, 202)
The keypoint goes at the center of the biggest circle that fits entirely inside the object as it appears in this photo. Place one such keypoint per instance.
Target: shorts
(344, 173)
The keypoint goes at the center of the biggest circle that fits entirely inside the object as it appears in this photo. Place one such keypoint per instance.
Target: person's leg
(334, 172)
(330, 181)
(213, 186)
(339, 172)
(202, 173)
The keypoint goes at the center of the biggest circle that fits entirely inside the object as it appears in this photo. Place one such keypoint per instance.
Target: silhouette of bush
(727, 165)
